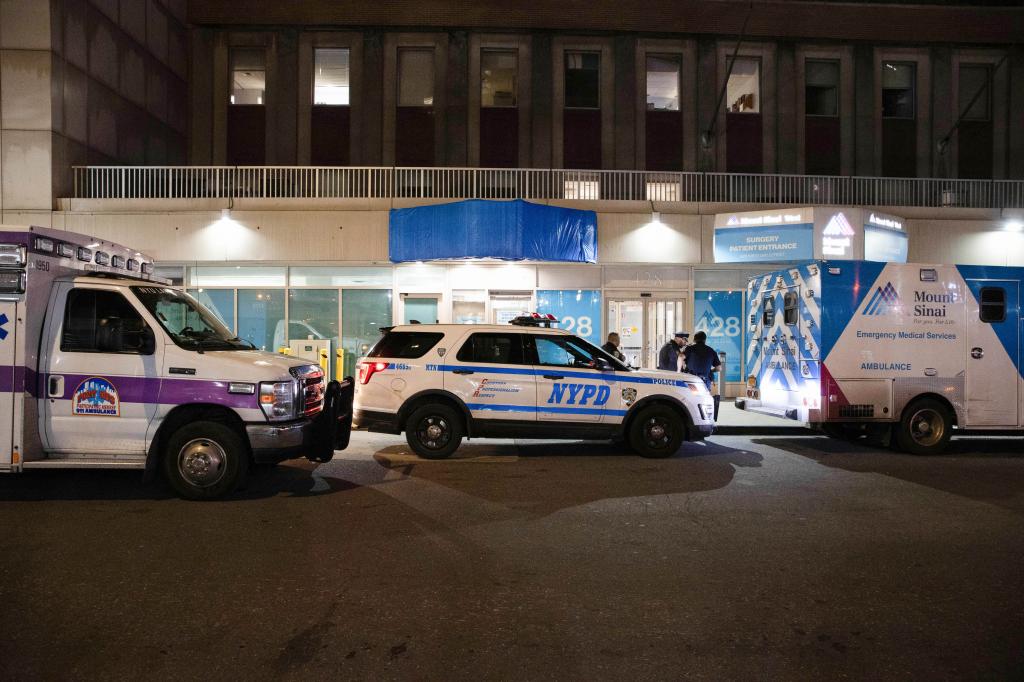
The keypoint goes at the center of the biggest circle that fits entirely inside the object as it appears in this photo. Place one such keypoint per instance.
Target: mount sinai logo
(838, 226)
(884, 301)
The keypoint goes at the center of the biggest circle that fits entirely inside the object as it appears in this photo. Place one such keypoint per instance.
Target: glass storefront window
(469, 307)
(331, 77)
(663, 82)
(261, 317)
(363, 313)
(898, 90)
(415, 77)
(323, 276)
(313, 313)
(221, 303)
(248, 76)
(498, 78)
(173, 273)
(237, 276)
(743, 92)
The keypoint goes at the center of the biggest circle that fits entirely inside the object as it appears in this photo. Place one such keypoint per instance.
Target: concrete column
(457, 86)
(864, 110)
(200, 124)
(706, 97)
(373, 98)
(626, 87)
(543, 98)
(282, 110)
(1015, 139)
(785, 102)
(943, 115)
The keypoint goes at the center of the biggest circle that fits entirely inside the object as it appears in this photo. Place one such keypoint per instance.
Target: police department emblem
(96, 397)
(629, 396)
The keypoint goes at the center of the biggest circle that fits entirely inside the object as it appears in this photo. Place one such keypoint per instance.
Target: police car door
(490, 375)
(569, 388)
(101, 373)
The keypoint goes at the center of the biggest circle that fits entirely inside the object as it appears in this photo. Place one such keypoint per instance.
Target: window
(261, 318)
(582, 80)
(663, 82)
(993, 304)
(974, 81)
(565, 351)
(331, 77)
(500, 349)
(248, 76)
(898, 90)
(498, 78)
(97, 321)
(404, 345)
(363, 313)
(743, 92)
(790, 308)
(415, 77)
(821, 88)
(768, 311)
(312, 313)
(221, 302)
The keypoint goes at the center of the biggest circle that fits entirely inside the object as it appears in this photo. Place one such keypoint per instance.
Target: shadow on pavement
(988, 469)
(544, 477)
(291, 479)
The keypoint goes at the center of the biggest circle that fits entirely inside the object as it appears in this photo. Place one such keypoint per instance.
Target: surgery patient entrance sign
(764, 236)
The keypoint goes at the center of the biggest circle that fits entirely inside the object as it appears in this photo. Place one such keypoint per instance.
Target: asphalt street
(791, 557)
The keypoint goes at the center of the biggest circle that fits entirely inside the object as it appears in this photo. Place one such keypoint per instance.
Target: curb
(765, 431)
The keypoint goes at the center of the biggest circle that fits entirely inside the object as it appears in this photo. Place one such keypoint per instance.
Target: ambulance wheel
(925, 428)
(205, 460)
(657, 432)
(434, 431)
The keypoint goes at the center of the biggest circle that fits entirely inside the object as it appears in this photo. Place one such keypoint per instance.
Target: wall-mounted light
(656, 217)
(1013, 225)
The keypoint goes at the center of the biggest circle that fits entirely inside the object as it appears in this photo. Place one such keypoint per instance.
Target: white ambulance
(104, 366)
(906, 351)
(441, 382)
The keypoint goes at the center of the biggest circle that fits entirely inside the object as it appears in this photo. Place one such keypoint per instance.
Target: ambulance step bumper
(85, 463)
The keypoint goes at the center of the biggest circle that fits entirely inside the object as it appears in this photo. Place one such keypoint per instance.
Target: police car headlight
(277, 400)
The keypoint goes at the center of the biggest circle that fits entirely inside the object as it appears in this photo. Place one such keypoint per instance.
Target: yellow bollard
(339, 364)
(284, 350)
(324, 362)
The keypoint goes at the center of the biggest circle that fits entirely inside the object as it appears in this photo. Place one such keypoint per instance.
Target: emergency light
(13, 255)
(12, 282)
(147, 268)
(84, 254)
(43, 244)
(102, 258)
(117, 262)
(65, 250)
(132, 265)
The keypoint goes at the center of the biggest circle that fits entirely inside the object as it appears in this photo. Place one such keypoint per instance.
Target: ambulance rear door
(8, 357)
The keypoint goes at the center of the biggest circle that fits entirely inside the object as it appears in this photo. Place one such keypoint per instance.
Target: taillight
(368, 369)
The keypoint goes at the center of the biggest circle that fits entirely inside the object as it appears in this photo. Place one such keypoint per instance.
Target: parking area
(760, 556)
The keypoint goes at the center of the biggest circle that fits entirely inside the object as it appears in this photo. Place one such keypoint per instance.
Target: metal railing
(308, 182)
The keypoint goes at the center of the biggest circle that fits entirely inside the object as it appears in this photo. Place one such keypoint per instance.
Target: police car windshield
(189, 324)
(598, 352)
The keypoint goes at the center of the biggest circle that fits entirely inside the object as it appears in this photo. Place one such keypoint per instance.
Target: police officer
(611, 347)
(701, 359)
(668, 356)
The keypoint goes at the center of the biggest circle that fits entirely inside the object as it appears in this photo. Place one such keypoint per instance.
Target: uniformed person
(701, 359)
(668, 356)
(611, 347)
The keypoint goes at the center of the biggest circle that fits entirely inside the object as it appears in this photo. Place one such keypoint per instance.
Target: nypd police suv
(441, 383)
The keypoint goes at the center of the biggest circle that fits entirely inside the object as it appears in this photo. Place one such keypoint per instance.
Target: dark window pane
(898, 88)
(768, 311)
(822, 88)
(406, 345)
(791, 307)
(582, 80)
(415, 77)
(498, 78)
(993, 304)
(248, 76)
(974, 79)
(502, 349)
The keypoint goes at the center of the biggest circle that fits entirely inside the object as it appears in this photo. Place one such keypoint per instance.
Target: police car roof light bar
(534, 320)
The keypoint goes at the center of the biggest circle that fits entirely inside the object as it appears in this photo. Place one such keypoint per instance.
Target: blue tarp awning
(506, 230)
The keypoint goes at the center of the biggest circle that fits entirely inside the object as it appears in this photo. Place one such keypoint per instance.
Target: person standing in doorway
(668, 356)
(701, 359)
(611, 347)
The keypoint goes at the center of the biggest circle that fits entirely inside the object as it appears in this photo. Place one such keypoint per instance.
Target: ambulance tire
(657, 431)
(925, 428)
(205, 460)
(434, 431)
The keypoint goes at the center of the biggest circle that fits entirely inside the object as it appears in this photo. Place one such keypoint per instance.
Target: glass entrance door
(643, 325)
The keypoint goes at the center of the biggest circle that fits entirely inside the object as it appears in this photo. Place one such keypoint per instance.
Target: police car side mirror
(603, 365)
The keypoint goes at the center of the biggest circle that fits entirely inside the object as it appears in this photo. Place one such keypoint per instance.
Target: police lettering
(599, 394)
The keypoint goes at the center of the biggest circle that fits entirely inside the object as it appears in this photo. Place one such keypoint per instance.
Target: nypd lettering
(579, 394)
(96, 397)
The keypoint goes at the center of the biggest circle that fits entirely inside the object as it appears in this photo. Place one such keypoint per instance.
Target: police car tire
(938, 415)
(205, 437)
(659, 416)
(439, 416)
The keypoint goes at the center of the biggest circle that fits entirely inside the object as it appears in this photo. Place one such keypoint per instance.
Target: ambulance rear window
(768, 314)
(791, 308)
(407, 345)
(993, 304)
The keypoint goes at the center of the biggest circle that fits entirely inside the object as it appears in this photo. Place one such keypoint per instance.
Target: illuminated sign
(885, 221)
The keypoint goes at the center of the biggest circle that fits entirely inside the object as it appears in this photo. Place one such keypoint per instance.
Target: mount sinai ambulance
(906, 350)
(104, 366)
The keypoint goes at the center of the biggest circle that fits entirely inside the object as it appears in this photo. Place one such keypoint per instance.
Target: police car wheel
(205, 460)
(434, 431)
(657, 432)
(925, 428)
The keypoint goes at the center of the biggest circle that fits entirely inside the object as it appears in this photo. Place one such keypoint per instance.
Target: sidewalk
(736, 422)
